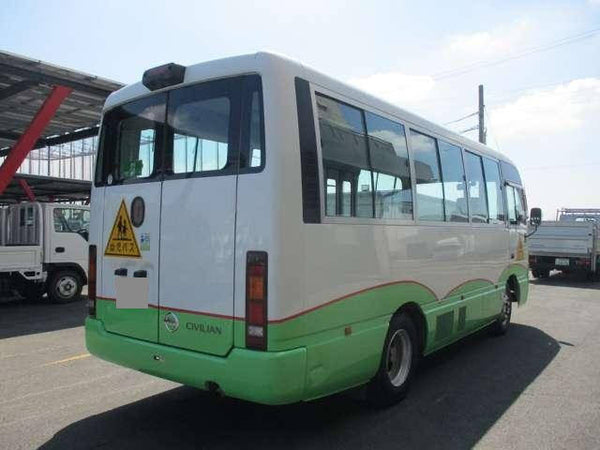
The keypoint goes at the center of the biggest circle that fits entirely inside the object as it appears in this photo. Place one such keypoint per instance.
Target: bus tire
(502, 323)
(399, 360)
(64, 286)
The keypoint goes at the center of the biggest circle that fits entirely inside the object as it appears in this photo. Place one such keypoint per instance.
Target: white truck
(569, 244)
(43, 249)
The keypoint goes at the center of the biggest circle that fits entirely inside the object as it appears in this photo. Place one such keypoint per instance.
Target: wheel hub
(506, 308)
(399, 357)
(66, 287)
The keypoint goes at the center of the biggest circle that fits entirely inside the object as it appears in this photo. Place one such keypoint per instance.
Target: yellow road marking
(72, 358)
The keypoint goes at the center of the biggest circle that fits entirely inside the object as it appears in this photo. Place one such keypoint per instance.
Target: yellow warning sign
(121, 241)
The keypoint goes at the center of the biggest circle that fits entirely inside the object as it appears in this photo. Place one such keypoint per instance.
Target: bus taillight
(256, 300)
(92, 281)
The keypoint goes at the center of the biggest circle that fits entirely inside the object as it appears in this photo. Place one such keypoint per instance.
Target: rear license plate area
(131, 293)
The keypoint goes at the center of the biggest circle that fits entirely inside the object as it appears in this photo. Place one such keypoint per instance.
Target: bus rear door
(128, 158)
(198, 216)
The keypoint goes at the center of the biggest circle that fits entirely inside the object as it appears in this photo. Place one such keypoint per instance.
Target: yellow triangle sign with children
(122, 241)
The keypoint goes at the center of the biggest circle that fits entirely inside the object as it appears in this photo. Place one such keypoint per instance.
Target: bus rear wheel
(398, 363)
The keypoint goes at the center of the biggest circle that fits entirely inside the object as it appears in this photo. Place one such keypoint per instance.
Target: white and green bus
(267, 232)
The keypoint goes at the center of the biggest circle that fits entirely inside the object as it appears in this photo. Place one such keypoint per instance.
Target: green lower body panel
(263, 377)
(314, 354)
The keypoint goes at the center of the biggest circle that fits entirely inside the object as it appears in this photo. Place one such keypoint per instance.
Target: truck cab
(43, 249)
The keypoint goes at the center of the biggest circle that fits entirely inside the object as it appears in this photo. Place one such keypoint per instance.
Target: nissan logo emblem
(171, 322)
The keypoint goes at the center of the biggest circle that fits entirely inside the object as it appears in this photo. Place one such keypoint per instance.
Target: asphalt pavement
(536, 387)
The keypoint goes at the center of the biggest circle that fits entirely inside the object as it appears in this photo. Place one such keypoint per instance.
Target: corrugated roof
(24, 85)
(46, 189)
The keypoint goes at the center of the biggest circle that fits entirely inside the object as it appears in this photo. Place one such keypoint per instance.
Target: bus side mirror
(535, 216)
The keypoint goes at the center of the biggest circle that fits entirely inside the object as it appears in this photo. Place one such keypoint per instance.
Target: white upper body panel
(311, 264)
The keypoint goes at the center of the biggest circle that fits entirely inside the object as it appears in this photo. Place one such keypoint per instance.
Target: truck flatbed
(569, 244)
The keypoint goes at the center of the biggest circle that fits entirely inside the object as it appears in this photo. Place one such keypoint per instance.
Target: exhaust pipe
(214, 389)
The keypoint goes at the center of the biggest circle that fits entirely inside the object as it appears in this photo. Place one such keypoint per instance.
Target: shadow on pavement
(456, 397)
(20, 317)
(572, 280)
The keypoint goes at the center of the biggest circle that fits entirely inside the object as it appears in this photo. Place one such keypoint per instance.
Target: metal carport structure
(47, 189)
(43, 105)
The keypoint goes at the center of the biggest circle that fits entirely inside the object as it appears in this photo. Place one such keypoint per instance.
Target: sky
(538, 60)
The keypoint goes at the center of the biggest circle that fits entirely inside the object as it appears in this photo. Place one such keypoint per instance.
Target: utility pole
(482, 131)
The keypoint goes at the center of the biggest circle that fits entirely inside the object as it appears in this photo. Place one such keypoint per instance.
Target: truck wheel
(544, 273)
(500, 326)
(65, 286)
(398, 363)
(535, 273)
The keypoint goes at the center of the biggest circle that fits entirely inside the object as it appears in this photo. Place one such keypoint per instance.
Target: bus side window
(345, 160)
(477, 189)
(346, 199)
(510, 173)
(521, 208)
(453, 175)
(430, 191)
(391, 168)
(494, 190)
(511, 205)
(255, 145)
(331, 193)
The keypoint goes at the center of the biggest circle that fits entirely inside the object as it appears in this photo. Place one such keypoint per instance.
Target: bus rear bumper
(264, 377)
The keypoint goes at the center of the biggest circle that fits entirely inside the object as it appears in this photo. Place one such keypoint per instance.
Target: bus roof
(262, 62)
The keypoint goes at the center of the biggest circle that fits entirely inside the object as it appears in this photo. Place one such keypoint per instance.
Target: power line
(490, 126)
(473, 128)
(542, 48)
(582, 92)
(510, 93)
(462, 118)
(580, 97)
(498, 94)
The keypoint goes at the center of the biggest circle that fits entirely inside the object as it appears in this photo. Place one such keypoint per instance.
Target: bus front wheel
(500, 326)
(398, 363)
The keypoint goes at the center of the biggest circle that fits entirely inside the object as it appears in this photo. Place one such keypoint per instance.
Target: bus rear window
(198, 145)
(130, 134)
(212, 128)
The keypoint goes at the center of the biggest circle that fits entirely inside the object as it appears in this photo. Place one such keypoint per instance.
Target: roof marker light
(163, 76)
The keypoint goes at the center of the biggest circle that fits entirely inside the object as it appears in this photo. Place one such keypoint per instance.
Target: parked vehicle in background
(569, 244)
(43, 249)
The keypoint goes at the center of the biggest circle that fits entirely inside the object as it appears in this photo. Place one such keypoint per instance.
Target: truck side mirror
(535, 216)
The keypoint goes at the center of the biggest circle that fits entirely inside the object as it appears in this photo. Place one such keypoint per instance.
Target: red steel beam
(33, 132)
(27, 189)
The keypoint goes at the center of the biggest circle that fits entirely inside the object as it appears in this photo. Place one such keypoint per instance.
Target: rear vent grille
(462, 318)
(444, 324)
